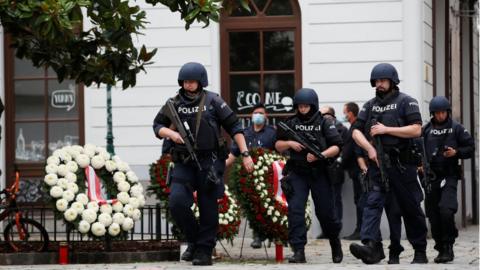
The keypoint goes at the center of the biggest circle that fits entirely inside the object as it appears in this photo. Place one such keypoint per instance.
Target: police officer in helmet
(395, 118)
(307, 173)
(446, 142)
(204, 112)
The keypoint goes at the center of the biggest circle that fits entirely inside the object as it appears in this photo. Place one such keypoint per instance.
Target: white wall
(134, 109)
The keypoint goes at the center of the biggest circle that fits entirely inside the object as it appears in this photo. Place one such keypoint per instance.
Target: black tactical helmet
(439, 104)
(193, 71)
(384, 71)
(306, 96)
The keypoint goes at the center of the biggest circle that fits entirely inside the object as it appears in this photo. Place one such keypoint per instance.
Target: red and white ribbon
(277, 167)
(95, 187)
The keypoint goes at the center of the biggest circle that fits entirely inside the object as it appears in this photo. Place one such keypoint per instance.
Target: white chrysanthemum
(89, 152)
(134, 202)
(105, 155)
(128, 210)
(132, 177)
(62, 170)
(51, 179)
(123, 166)
(53, 160)
(68, 195)
(260, 172)
(70, 214)
(72, 166)
(141, 201)
(51, 168)
(106, 208)
(82, 160)
(117, 206)
(93, 205)
(78, 206)
(116, 159)
(118, 218)
(62, 154)
(56, 192)
(72, 187)
(123, 186)
(97, 162)
(61, 205)
(77, 148)
(277, 213)
(98, 229)
(274, 219)
(62, 182)
(71, 177)
(136, 190)
(105, 219)
(110, 165)
(114, 229)
(89, 215)
(136, 214)
(127, 224)
(123, 197)
(83, 227)
(82, 198)
(119, 177)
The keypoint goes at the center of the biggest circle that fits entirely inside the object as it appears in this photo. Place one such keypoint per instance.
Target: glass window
(279, 7)
(62, 99)
(244, 92)
(29, 99)
(241, 12)
(260, 4)
(279, 50)
(244, 51)
(24, 68)
(279, 90)
(30, 142)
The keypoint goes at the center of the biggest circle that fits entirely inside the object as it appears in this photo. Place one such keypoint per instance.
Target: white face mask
(258, 119)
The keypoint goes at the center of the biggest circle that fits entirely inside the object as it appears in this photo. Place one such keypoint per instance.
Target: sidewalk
(318, 257)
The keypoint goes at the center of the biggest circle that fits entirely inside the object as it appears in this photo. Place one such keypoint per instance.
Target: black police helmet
(193, 71)
(439, 104)
(306, 96)
(384, 71)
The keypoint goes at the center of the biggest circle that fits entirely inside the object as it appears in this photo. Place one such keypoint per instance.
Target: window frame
(261, 23)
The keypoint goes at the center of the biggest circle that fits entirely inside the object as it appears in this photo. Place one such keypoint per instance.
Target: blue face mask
(343, 119)
(258, 119)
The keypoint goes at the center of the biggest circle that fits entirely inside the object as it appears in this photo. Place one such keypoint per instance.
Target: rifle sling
(199, 116)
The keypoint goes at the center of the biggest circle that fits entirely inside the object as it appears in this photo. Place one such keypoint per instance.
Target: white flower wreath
(68, 169)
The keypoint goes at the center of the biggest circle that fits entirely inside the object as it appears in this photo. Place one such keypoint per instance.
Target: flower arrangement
(228, 209)
(264, 209)
(75, 177)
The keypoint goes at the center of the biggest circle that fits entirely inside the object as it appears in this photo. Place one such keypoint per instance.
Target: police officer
(395, 118)
(259, 134)
(339, 173)
(307, 173)
(205, 112)
(446, 142)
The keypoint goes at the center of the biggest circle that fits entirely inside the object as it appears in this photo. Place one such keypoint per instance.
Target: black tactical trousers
(441, 205)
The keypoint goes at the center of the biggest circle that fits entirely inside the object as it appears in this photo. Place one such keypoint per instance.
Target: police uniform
(306, 177)
(393, 109)
(186, 176)
(441, 200)
(264, 138)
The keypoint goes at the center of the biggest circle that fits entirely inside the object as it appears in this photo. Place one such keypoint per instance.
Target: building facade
(265, 54)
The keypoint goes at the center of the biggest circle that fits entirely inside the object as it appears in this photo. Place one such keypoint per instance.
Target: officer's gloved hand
(286, 186)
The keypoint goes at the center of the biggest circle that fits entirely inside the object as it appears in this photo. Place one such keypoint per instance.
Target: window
(42, 115)
(261, 57)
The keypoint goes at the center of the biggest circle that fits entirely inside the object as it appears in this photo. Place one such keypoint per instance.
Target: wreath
(93, 191)
(260, 196)
(228, 209)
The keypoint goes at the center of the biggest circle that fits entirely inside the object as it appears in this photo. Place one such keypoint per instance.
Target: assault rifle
(429, 175)
(184, 130)
(307, 142)
(381, 159)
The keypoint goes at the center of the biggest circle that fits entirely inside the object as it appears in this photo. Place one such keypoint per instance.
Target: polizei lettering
(380, 109)
(307, 128)
(441, 131)
(190, 110)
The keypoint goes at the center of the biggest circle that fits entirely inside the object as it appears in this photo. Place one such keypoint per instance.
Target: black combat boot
(257, 243)
(298, 256)
(188, 253)
(445, 255)
(370, 253)
(394, 253)
(202, 258)
(420, 257)
(354, 236)
(337, 253)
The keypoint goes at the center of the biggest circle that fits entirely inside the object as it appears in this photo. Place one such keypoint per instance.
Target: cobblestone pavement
(318, 256)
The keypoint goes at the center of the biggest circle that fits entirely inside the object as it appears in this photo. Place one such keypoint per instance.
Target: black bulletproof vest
(391, 112)
(437, 139)
(209, 128)
(313, 127)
